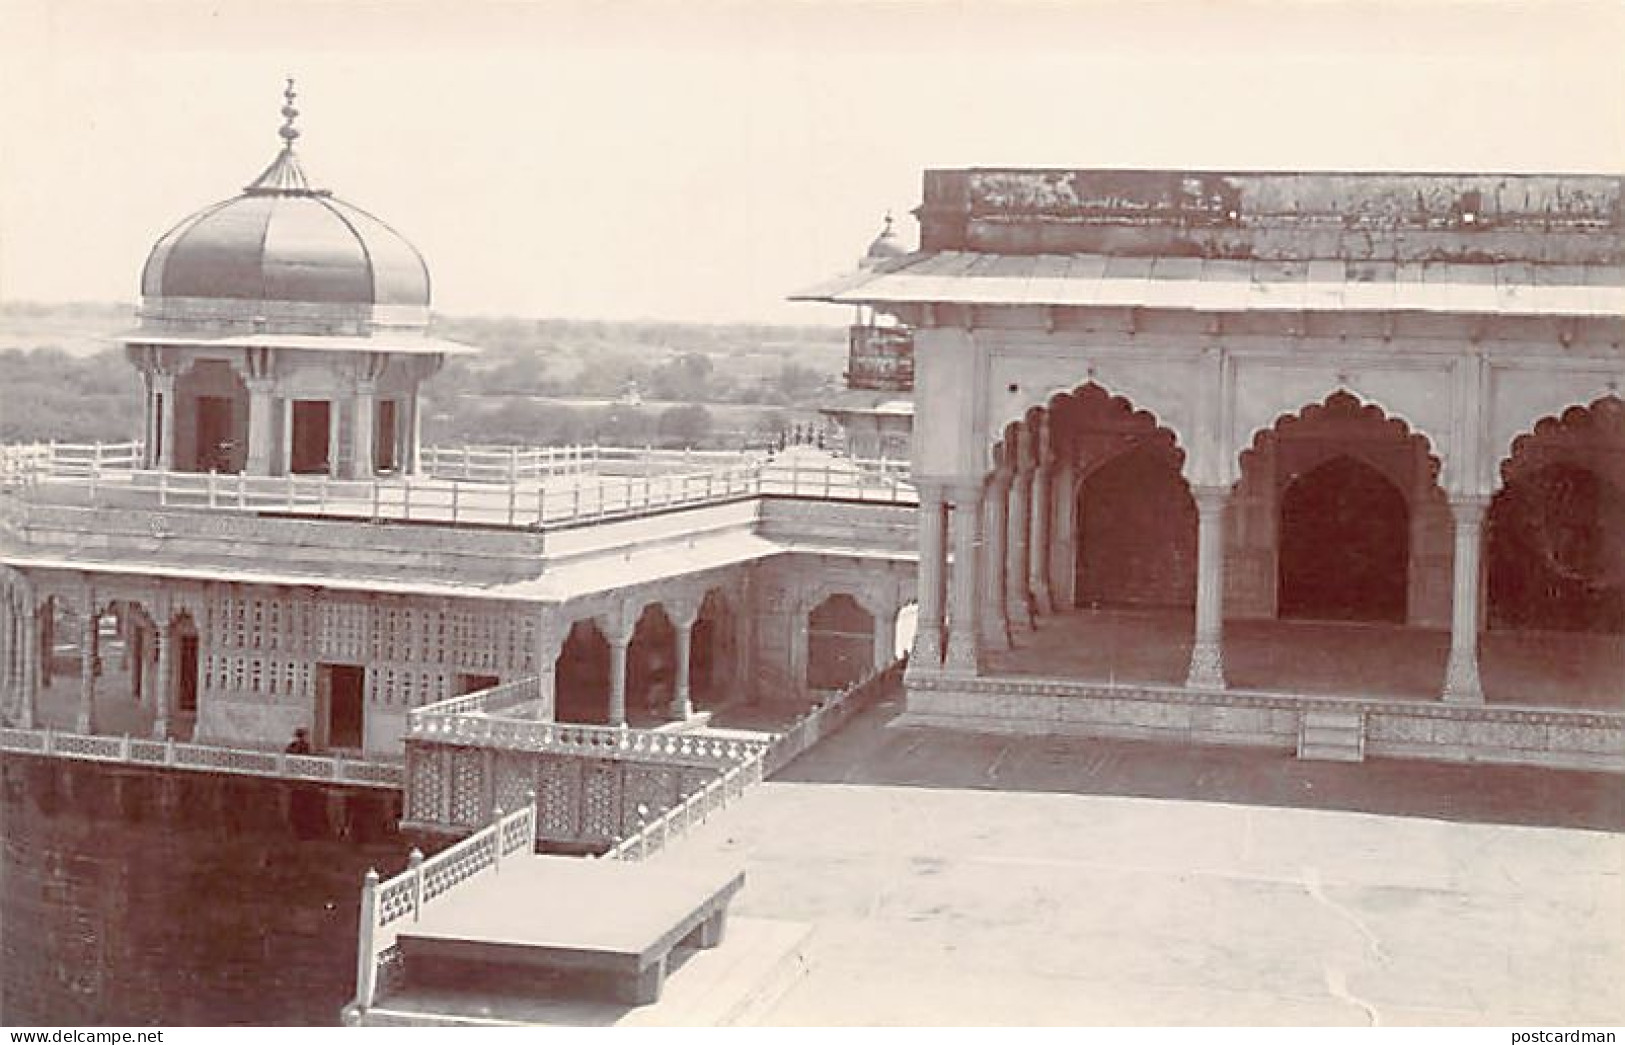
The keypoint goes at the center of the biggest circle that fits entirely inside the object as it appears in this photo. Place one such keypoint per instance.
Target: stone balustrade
(208, 758)
(533, 489)
(386, 904)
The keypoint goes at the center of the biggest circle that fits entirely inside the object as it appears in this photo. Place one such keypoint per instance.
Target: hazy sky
(702, 160)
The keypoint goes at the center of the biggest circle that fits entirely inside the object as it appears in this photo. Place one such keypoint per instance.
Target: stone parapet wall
(582, 802)
(873, 527)
(1554, 738)
(267, 544)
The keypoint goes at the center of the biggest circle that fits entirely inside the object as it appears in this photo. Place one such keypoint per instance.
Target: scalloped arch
(1092, 390)
(1607, 409)
(1342, 398)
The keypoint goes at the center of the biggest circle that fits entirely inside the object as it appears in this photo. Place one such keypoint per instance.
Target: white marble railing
(384, 903)
(762, 763)
(481, 701)
(33, 461)
(171, 754)
(476, 720)
(677, 821)
(604, 486)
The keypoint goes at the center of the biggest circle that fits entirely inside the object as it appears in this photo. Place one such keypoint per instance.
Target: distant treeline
(723, 385)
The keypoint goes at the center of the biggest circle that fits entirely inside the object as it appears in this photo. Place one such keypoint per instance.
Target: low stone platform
(606, 927)
(730, 985)
(1559, 738)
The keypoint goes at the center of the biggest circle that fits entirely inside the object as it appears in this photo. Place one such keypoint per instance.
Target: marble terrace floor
(1553, 669)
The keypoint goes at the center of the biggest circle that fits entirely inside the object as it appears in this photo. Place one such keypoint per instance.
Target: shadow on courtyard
(879, 749)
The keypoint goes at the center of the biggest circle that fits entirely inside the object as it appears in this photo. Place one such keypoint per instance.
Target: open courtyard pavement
(955, 879)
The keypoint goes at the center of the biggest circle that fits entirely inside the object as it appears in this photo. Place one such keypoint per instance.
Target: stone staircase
(1332, 735)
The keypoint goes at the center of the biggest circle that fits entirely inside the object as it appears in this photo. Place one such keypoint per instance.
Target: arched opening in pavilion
(1096, 576)
(582, 676)
(711, 653)
(211, 419)
(651, 666)
(1339, 516)
(840, 643)
(1555, 531)
(1344, 544)
(185, 685)
(1136, 531)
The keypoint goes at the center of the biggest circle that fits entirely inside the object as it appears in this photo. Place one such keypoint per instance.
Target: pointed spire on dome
(284, 177)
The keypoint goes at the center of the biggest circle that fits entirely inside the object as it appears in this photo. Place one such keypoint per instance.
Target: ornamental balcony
(880, 359)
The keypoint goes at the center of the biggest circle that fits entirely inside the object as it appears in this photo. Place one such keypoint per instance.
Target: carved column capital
(1210, 498)
(1468, 509)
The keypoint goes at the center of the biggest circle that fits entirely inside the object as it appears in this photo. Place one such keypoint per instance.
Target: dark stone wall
(139, 897)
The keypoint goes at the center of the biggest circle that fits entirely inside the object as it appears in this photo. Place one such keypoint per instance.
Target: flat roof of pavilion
(557, 582)
(1232, 285)
(403, 344)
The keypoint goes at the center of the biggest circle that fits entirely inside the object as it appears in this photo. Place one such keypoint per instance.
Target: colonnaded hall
(1326, 463)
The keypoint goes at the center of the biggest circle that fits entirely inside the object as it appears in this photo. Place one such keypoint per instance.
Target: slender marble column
(1461, 682)
(933, 525)
(30, 653)
(962, 627)
(1018, 600)
(885, 637)
(1038, 540)
(163, 695)
(10, 622)
(682, 701)
(617, 679)
(284, 464)
(166, 422)
(1063, 537)
(1207, 651)
(361, 426)
(334, 430)
(548, 648)
(995, 560)
(260, 405)
(414, 431)
(89, 664)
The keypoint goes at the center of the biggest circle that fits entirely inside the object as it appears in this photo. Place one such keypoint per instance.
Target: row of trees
(47, 394)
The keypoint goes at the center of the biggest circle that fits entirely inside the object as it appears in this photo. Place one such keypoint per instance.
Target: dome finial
(289, 132)
(284, 176)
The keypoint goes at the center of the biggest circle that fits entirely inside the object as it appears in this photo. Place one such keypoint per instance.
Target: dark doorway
(1345, 545)
(341, 717)
(651, 667)
(1555, 554)
(383, 438)
(840, 643)
(1136, 533)
(216, 446)
(311, 428)
(186, 681)
(475, 683)
(581, 676)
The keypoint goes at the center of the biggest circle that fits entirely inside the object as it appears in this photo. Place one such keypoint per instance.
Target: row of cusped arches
(660, 684)
(1338, 515)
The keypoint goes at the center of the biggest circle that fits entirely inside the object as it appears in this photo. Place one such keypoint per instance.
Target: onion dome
(885, 247)
(286, 256)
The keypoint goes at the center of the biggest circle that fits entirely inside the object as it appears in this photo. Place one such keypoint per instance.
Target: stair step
(1331, 735)
(1321, 753)
(1335, 719)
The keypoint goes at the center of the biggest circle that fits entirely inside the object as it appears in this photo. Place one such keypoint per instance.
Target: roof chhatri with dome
(284, 258)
